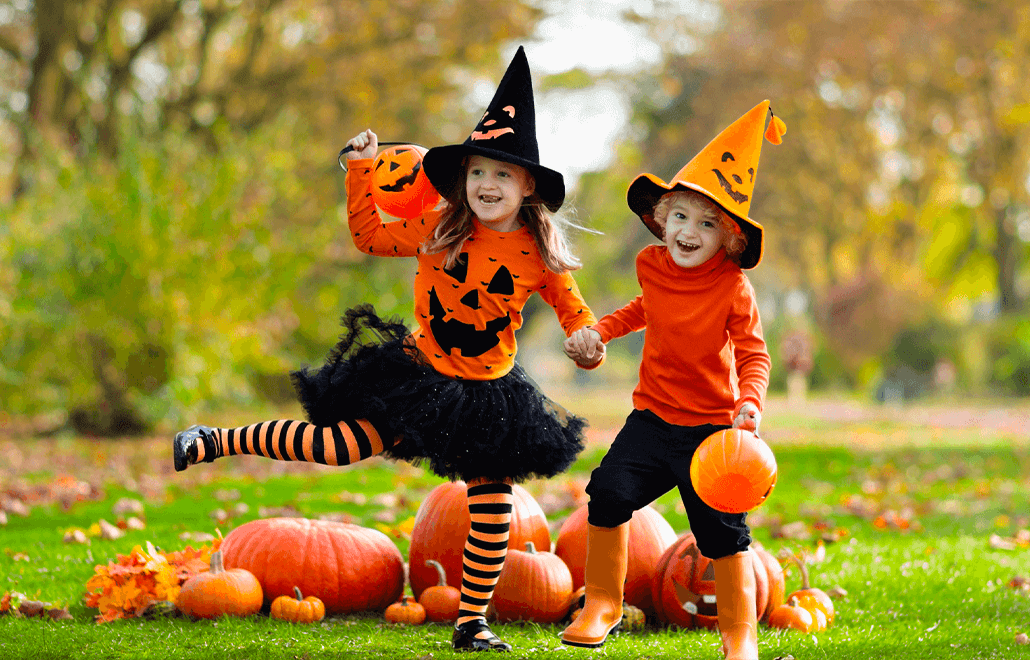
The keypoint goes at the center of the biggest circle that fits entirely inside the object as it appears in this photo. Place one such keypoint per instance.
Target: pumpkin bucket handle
(339, 158)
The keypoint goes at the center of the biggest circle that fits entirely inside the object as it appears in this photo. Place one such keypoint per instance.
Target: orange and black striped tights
(490, 502)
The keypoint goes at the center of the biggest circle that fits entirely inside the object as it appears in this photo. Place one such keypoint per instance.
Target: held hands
(364, 145)
(585, 347)
(748, 418)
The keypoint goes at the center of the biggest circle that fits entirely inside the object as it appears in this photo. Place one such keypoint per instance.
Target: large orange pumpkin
(533, 586)
(733, 471)
(349, 568)
(442, 524)
(400, 187)
(683, 587)
(649, 536)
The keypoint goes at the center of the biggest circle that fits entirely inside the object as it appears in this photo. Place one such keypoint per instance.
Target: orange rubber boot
(735, 599)
(605, 576)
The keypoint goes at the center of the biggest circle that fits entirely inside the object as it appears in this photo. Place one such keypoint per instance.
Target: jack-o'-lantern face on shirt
(693, 233)
(464, 300)
(495, 191)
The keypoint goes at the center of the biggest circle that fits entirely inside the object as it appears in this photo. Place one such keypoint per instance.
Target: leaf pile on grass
(128, 587)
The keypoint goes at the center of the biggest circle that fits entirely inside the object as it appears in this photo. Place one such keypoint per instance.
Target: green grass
(913, 506)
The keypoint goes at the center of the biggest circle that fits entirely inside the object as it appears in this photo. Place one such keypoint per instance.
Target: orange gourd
(218, 592)
(441, 601)
(810, 597)
(299, 609)
(533, 586)
(442, 524)
(406, 611)
(792, 615)
(649, 536)
(733, 471)
(400, 187)
(351, 568)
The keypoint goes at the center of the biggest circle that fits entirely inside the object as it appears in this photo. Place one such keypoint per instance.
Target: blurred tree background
(172, 234)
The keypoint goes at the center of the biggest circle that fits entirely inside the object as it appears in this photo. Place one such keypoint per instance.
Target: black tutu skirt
(464, 429)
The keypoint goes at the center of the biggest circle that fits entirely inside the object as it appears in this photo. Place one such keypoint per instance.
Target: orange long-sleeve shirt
(701, 324)
(467, 315)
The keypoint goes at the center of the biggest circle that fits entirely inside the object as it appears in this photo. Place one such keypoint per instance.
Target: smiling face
(694, 230)
(495, 191)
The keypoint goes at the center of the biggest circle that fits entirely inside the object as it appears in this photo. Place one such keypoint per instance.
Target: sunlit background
(172, 228)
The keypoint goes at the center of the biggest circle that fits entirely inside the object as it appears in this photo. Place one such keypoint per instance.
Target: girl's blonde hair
(736, 240)
(549, 230)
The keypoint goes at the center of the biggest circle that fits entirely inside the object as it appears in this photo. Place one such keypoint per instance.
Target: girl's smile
(495, 191)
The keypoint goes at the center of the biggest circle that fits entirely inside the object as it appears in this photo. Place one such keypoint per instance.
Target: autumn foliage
(127, 587)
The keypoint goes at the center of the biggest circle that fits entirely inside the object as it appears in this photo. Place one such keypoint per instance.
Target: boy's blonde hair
(735, 242)
(549, 231)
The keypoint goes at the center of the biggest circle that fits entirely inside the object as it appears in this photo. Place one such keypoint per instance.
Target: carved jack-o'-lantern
(451, 332)
(399, 185)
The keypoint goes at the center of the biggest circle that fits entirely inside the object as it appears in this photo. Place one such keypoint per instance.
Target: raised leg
(285, 440)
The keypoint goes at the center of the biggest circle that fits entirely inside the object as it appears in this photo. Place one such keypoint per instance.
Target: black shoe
(465, 638)
(184, 447)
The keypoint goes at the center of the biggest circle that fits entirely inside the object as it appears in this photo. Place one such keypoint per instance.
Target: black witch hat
(507, 132)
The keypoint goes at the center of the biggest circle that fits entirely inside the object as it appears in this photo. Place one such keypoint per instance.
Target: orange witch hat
(724, 171)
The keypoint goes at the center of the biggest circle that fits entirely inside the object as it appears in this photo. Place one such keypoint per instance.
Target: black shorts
(647, 459)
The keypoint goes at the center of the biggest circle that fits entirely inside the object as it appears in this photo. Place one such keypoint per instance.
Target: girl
(449, 393)
(702, 329)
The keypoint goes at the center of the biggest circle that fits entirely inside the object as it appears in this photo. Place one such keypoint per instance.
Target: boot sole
(593, 645)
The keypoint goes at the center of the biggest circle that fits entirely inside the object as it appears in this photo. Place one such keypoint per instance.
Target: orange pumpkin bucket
(400, 187)
(733, 471)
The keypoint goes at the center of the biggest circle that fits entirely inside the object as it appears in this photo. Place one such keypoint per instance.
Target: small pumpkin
(218, 592)
(299, 609)
(792, 615)
(533, 586)
(406, 611)
(440, 601)
(818, 598)
(733, 471)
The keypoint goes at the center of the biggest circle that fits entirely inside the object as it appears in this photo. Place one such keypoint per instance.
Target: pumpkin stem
(216, 563)
(802, 568)
(530, 548)
(441, 580)
(296, 592)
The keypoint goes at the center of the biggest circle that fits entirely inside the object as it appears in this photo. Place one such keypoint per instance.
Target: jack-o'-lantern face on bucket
(399, 186)
(446, 308)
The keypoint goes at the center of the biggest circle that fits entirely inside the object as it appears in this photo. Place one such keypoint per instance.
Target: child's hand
(585, 346)
(364, 144)
(748, 418)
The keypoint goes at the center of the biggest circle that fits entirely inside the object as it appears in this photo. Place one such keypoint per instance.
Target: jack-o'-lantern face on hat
(491, 128)
(447, 309)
